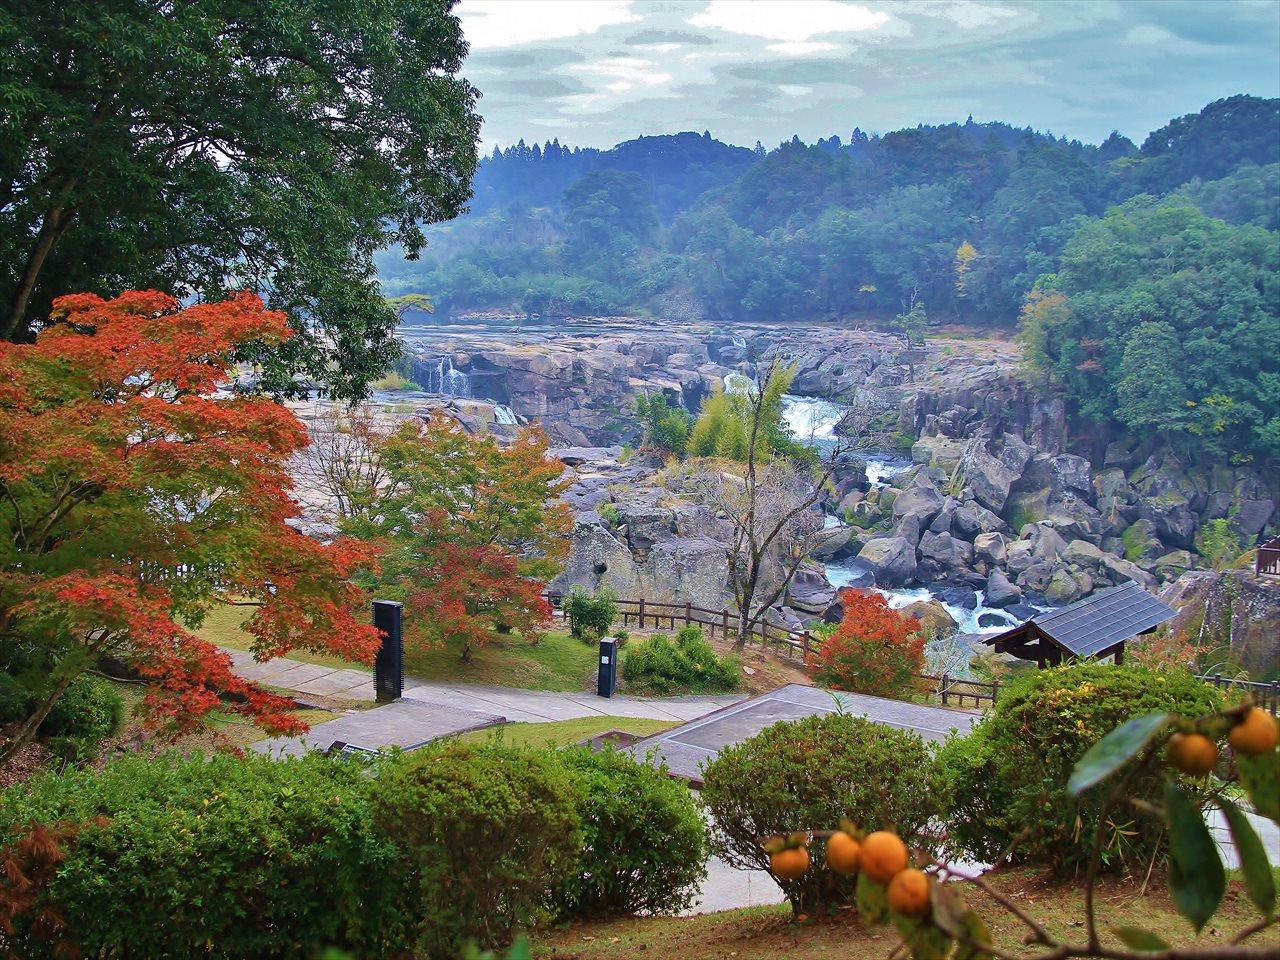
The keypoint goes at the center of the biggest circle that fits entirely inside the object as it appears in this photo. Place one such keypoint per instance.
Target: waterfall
(737, 383)
(444, 378)
(504, 415)
(739, 342)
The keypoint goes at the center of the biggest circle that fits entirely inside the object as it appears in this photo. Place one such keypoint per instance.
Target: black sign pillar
(607, 678)
(388, 668)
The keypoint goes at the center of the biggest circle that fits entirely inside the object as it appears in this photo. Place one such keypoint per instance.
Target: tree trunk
(56, 220)
(26, 733)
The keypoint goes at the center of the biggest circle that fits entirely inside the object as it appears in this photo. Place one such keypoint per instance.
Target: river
(813, 421)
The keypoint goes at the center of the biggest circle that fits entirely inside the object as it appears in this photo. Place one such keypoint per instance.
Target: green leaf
(1259, 881)
(1114, 750)
(1260, 776)
(1196, 877)
(976, 938)
(927, 942)
(1138, 939)
(872, 900)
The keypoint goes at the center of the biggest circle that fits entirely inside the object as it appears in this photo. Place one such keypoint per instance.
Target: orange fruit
(909, 893)
(789, 864)
(843, 853)
(1193, 753)
(883, 855)
(1255, 734)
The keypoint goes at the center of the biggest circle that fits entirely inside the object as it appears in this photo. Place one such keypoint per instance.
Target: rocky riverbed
(974, 506)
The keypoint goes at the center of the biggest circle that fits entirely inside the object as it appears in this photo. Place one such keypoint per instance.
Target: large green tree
(1164, 318)
(211, 145)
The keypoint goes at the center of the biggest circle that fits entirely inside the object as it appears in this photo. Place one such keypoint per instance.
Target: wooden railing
(1267, 561)
(945, 690)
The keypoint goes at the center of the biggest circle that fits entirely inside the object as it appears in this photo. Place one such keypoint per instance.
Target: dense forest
(1140, 261)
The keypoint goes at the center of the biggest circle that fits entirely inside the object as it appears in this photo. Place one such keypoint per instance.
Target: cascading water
(503, 414)
(445, 379)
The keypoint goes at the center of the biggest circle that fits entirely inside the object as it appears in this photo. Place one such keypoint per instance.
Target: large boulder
(933, 617)
(1233, 605)
(945, 550)
(989, 478)
(999, 591)
(990, 548)
(920, 500)
(835, 543)
(810, 591)
(1067, 587)
(891, 559)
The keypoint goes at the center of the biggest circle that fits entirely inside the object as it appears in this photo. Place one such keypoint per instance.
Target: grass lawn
(563, 732)
(557, 663)
(765, 933)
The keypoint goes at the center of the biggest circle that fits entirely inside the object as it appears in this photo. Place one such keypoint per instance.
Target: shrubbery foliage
(1007, 776)
(489, 833)
(644, 840)
(806, 774)
(687, 664)
(590, 617)
(260, 857)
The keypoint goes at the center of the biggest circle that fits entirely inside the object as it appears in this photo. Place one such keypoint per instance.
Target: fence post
(724, 624)
(995, 691)
(688, 613)
(642, 613)
(804, 639)
(943, 686)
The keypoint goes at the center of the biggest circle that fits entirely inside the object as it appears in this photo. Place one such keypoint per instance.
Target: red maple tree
(875, 649)
(136, 491)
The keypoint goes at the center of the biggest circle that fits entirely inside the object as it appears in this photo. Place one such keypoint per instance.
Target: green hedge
(262, 858)
(644, 840)
(590, 617)
(688, 664)
(87, 712)
(1007, 778)
(490, 833)
(808, 774)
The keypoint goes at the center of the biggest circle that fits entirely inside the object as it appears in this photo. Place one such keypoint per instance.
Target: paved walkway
(429, 709)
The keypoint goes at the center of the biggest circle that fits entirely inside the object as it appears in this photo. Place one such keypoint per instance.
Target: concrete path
(540, 706)
(304, 678)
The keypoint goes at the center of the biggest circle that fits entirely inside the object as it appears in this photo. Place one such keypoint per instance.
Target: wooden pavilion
(1097, 626)
(1267, 562)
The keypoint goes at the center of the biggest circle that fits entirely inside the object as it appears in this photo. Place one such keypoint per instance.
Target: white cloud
(802, 48)
(489, 24)
(794, 89)
(791, 24)
(624, 73)
(967, 14)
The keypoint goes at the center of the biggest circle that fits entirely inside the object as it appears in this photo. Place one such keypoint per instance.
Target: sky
(597, 72)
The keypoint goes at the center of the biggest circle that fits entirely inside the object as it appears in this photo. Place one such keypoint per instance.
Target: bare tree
(770, 508)
(341, 462)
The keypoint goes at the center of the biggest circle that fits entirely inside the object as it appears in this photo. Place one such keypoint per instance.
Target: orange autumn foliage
(136, 492)
(875, 649)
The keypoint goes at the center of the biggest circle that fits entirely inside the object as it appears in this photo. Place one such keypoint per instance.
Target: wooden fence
(798, 644)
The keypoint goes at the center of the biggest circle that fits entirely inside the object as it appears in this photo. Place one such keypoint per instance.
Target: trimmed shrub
(1008, 776)
(644, 841)
(687, 664)
(164, 856)
(808, 774)
(489, 832)
(590, 617)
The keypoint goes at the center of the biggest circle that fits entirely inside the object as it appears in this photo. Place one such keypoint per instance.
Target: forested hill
(686, 225)
(1147, 278)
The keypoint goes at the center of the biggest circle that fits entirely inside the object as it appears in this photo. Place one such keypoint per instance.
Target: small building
(1267, 560)
(1097, 626)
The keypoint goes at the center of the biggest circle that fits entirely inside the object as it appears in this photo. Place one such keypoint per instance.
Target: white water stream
(813, 421)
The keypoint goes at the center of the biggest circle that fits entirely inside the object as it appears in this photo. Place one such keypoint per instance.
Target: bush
(1009, 774)
(259, 856)
(590, 617)
(808, 774)
(644, 840)
(875, 649)
(687, 664)
(490, 832)
(89, 710)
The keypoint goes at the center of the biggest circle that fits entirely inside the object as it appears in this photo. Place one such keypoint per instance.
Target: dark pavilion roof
(1095, 625)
